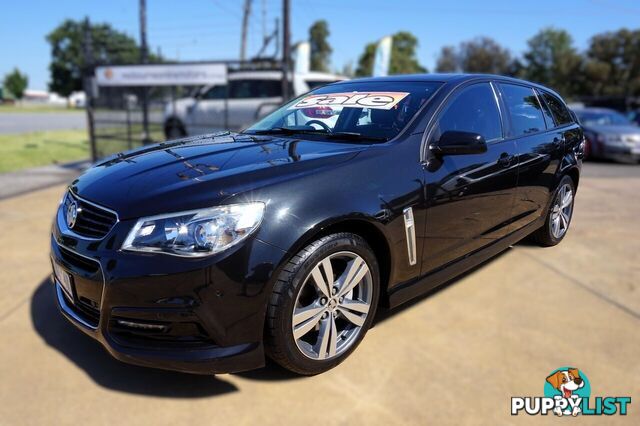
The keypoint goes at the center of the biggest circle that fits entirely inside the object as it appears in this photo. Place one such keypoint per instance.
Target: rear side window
(473, 110)
(548, 117)
(524, 109)
(248, 89)
(560, 113)
(216, 92)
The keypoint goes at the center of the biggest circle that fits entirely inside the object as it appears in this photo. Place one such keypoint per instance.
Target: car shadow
(107, 372)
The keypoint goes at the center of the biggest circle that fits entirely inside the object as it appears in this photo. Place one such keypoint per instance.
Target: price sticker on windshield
(372, 100)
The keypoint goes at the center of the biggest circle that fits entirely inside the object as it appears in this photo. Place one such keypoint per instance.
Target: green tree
(403, 56)
(448, 60)
(365, 61)
(347, 70)
(552, 60)
(484, 55)
(320, 47)
(16, 83)
(109, 46)
(613, 64)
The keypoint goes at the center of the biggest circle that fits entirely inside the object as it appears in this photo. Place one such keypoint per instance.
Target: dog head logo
(568, 386)
(567, 392)
(566, 381)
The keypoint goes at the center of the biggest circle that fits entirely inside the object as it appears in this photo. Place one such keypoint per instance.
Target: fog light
(142, 326)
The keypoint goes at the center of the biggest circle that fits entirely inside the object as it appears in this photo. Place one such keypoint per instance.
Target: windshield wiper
(353, 136)
(350, 136)
(286, 131)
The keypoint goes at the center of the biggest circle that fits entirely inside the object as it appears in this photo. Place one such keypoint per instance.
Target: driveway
(20, 122)
(454, 357)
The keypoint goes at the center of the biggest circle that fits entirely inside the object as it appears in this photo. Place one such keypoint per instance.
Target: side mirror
(459, 143)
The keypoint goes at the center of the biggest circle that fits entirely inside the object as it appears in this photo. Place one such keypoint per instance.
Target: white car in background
(248, 96)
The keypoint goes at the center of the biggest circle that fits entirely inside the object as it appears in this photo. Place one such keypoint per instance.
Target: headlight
(195, 233)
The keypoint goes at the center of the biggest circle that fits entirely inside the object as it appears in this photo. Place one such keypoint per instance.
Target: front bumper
(202, 316)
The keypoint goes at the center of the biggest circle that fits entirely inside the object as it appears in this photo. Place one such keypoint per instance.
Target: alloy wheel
(561, 211)
(332, 306)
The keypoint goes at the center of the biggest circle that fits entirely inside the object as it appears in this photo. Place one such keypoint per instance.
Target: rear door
(469, 197)
(539, 147)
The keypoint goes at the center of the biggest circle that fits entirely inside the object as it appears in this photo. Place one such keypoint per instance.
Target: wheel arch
(371, 233)
(574, 174)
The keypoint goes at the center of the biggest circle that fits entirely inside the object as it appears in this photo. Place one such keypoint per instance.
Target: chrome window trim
(410, 232)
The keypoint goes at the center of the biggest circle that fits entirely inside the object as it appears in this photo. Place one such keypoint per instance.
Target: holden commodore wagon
(207, 254)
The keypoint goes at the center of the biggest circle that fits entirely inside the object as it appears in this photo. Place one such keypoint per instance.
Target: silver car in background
(609, 135)
(250, 95)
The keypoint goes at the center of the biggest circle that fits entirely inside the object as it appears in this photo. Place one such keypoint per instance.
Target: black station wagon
(207, 253)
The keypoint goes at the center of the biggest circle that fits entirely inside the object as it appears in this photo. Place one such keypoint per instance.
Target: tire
(174, 130)
(335, 324)
(548, 235)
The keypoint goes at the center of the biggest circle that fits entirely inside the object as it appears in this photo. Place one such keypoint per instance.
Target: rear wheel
(559, 215)
(322, 304)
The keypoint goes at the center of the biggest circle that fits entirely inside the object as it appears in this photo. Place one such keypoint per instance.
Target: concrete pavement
(20, 122)
(27, 180)
(454, 357)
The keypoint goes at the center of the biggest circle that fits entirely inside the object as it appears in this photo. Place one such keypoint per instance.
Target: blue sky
(210, 29)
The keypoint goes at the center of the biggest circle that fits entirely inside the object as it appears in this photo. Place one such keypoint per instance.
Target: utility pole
(88, 86)
(286, 49)
(144, 58)
(245, 24)
(264, 22)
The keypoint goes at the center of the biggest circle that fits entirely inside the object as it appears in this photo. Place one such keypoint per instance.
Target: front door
(207, 114)
(469, 197)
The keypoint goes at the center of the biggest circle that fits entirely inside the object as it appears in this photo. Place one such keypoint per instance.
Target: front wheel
(322, 304)
(174, 130)
(559, 215)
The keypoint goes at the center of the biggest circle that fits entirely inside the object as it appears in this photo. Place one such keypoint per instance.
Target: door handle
(505, 159)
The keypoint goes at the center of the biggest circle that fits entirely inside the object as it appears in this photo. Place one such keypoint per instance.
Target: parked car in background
(609, 135)
(248, 96)
(634, 116)
(204, 254)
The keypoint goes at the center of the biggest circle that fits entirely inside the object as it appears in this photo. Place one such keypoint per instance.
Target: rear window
(524, 109)
(561, 114)
(247, 89)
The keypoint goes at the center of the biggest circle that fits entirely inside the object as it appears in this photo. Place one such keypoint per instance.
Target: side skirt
(409, 290)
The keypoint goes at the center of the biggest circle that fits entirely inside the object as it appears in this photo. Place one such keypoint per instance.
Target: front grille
(92, 221)
(88, 309)
(78, 261)
(89, 315)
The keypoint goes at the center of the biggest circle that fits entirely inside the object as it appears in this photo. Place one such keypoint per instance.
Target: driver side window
(474, 110)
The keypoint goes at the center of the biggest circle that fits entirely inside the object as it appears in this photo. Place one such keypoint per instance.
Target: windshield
(373, 111)
(608, 118)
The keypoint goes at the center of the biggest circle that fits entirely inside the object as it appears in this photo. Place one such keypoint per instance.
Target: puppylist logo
(567, 392)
